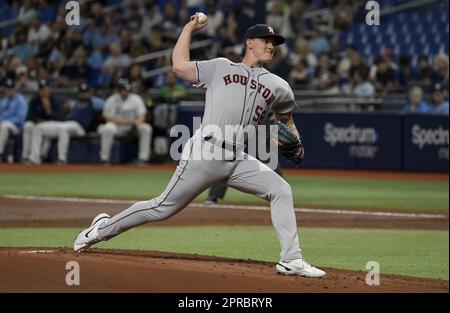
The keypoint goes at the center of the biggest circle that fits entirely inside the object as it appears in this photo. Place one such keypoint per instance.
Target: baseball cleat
(299, 267)
(89, 236)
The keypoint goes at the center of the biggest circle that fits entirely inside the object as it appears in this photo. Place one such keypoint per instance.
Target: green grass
(421, 253)
(352, 193)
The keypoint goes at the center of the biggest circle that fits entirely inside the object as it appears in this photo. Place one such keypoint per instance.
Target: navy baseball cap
(263, 31)
(123, 83)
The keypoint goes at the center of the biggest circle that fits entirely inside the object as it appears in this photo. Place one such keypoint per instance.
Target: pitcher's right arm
(182, 65)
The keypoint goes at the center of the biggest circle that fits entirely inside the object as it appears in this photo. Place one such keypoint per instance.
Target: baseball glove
(133, 133)
(289, 144)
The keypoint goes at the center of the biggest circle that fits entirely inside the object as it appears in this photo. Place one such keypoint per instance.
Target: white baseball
(201, 18)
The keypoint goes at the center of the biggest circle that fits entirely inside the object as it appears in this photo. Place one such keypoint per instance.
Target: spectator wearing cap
(438, 104)
(441, 69)
(416, 103)
(13, 111)
(79, 120)
(124, 112)
(44, 110)
(23, 83)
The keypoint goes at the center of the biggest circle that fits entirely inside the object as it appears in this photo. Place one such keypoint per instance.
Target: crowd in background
(105, 45)
(113, 34)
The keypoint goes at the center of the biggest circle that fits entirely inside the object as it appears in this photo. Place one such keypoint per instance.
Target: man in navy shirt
(44, 111)
(77, 122)
(13, 111)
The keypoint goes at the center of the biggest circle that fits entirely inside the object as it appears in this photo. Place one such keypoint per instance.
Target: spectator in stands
(385, 77)
(351, 59)
(416, 104)
(215, 18)
(441, 69)
(23, 83)
(296, 22)
(277, 17)
(438, 104)
(301, 52)
(299, 75)
(79, 120)
(43, 110)
(424, 70)
(362, 87)
(405, 73)
(116, 62)
(13, 111)
(172, 91)
(124, 112)
(38, 31)
(318, 43)
(343, 15)
(151, 18)
(77, 69)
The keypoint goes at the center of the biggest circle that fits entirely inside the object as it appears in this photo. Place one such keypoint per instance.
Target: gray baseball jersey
(236, 95)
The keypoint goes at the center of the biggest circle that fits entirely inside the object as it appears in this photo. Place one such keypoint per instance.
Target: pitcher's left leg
(252, 176)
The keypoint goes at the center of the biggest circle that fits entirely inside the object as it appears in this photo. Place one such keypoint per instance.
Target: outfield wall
(378, 141)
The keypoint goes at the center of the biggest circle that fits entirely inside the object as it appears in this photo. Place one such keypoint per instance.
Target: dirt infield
(137, 271)
(22, 270)
(47, 213)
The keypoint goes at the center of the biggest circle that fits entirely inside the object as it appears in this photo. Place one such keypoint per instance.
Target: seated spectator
(362, 87)
(13, 111)
(343, 15)
(385, 76)
(416, 103)
(172, 91)
(23, 83)
(43, 111)
(124, 112)
(424, 70)
(78, 121)
(405, 73)
(299, 75)
(117, 61)
(438, 104)
(441, 69)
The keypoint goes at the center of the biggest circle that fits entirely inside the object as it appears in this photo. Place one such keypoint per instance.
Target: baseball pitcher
(237, 94)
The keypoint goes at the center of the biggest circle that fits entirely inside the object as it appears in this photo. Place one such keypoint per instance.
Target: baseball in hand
(201, 18)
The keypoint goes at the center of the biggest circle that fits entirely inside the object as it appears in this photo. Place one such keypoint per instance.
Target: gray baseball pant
(194, 176)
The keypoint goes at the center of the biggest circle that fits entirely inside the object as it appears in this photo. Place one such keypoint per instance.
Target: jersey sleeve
(141, 109)
(108, 109)
(284, 102)
(206, 70)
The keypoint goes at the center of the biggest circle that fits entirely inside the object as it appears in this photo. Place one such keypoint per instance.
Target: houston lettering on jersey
(243, 80)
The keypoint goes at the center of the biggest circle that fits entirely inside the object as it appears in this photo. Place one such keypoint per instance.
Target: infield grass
(321, 192)
(420, 253)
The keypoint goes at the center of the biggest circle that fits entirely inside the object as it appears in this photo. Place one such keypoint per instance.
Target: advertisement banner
(426, 143)
(351, 140)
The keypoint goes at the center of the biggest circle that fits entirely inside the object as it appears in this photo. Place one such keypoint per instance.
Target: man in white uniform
(124, 111)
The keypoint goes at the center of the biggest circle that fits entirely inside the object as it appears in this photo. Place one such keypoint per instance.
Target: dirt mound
(44, 270)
